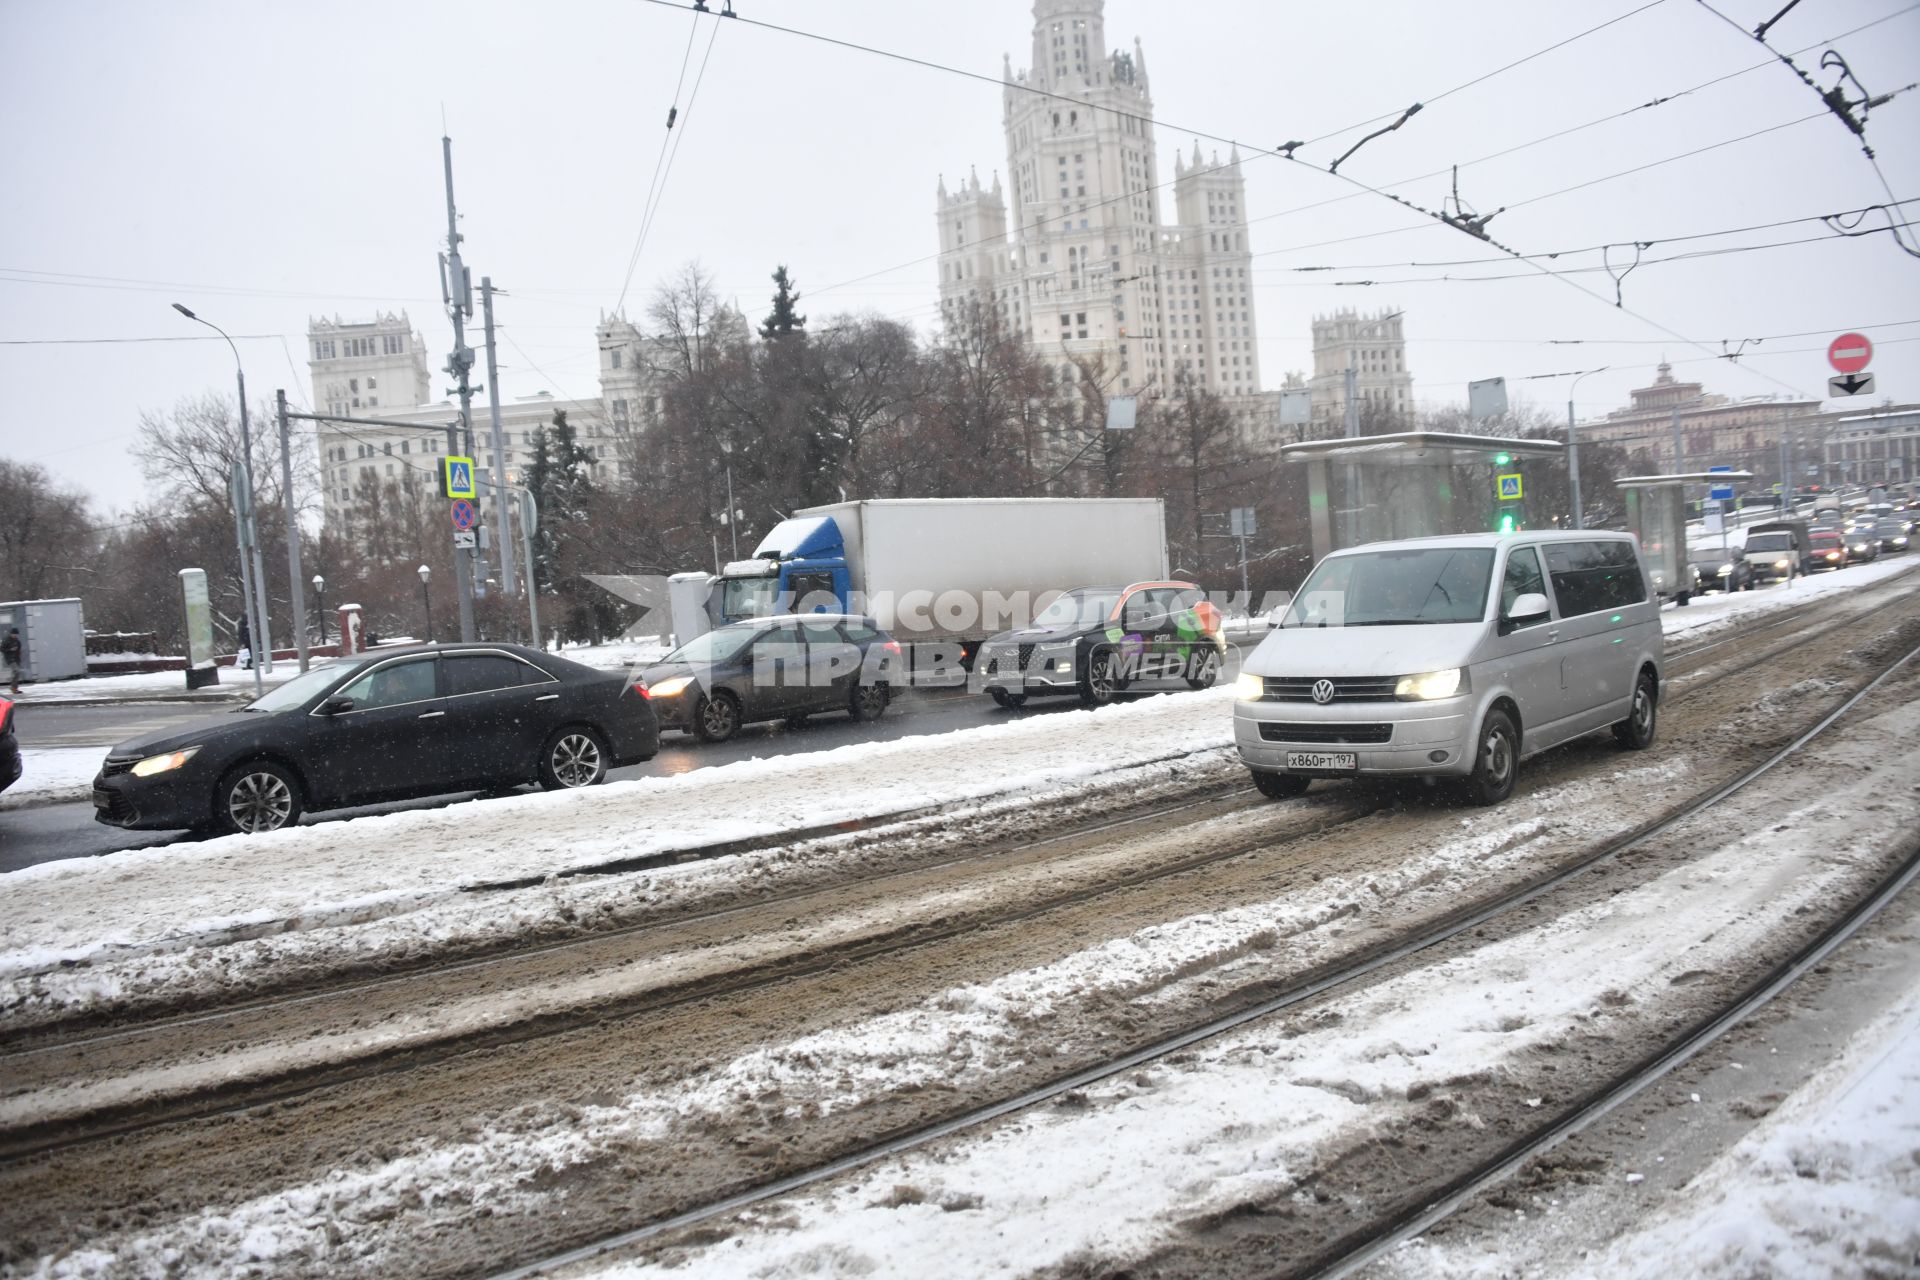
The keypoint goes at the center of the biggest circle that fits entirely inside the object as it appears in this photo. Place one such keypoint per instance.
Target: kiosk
(1418, 484)
(1657, 516)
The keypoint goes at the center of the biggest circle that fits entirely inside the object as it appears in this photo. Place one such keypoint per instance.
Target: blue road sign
(1509, 486)
(457, 472)
(464, 515)
(1720, 492)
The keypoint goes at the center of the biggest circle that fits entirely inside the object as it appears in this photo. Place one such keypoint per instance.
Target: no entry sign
(1850, 352)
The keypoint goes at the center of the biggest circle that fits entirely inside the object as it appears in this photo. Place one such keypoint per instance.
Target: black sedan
(388, 725)
(1096, 641)
(1722, 570)
(783, 668)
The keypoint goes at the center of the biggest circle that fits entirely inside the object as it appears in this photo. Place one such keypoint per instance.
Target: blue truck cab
(799, 567)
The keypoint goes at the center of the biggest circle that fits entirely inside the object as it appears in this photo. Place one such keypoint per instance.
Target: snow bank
(52, 775)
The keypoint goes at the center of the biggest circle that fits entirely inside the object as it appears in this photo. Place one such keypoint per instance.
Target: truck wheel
(1101, 683)
(1008, 700)
(1496, 763)
(1280, 786)
(717, 717)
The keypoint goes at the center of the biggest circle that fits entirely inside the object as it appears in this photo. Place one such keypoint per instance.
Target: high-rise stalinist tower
(1071, 252)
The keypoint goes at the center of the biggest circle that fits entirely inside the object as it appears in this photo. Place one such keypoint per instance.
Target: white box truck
(944, 571)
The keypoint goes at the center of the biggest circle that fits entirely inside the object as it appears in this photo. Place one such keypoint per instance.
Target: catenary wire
(668, 141)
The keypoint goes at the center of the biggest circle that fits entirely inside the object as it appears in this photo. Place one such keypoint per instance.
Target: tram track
(1355, 1250)
(23, 1139)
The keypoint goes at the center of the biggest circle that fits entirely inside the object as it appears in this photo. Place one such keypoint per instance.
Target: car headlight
(1249, 688)
(669, 688)
(1859, 546)
(1433, 684)
(1724, 571)
(1779, 564)
(164, 763)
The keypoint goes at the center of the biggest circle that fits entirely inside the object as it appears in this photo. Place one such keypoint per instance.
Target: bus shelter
(1417, 484)
(1657, 516)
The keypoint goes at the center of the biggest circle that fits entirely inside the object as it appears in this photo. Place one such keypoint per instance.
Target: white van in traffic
(1452, 657)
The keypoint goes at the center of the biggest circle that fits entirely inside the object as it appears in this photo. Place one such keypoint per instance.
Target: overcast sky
(268, 163)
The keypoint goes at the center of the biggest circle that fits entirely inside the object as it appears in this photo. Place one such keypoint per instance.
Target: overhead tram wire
(1256, 151)
(1567, 132)
(1836, 103)
(669, 150)
(1642, 241)
(667, 142)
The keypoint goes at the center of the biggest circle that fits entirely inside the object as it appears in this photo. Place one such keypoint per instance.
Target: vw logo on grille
(1323, 691)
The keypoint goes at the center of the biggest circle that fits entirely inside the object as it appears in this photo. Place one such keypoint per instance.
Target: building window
(616, 357)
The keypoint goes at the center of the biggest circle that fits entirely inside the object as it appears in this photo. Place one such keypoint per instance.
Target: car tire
(1682, 599)
(869, 702)
(716, 717)
(1205, 669)
(1280, 786)
(1496, 760)
(1100, 684)
(574, 757)
(1637, 731)
(1010, 701)
(256, 797)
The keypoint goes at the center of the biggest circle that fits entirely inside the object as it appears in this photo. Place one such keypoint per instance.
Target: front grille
(114, 766)
(1352, 734)
(1026, 655)
(118, 808)
(1345, 688)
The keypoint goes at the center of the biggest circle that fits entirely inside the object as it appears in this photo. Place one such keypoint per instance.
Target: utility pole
(456, 287)
(293, 531)
(1352, 413)
(501, 527)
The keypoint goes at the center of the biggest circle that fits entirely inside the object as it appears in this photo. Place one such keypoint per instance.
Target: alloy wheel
(259, 802)
(576, 760)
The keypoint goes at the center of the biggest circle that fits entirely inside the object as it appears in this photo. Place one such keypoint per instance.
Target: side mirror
(1527, 608)
(334, 706)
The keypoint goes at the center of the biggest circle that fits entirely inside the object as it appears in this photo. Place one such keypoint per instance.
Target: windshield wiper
(1396, 622)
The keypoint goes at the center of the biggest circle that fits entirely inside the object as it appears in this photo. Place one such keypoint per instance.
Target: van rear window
(1590, 576)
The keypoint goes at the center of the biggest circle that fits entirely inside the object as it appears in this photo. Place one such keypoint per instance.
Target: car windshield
(714, 646)
(1770, 542)
(1078, 609)
(299, 690)
(1709, 557)
(1388, 588)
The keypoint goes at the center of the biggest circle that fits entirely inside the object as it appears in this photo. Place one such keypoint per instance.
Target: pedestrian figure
(244, 658)
(10, 657)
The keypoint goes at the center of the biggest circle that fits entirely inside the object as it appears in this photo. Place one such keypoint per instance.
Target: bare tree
(46, 534)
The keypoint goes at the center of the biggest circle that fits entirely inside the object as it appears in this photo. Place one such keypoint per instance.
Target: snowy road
(764, 1011)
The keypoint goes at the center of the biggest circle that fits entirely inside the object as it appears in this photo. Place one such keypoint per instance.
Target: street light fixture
(320, 604)
(426, 599)
(253, 581)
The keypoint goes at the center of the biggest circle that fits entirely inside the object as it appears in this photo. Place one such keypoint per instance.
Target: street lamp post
(253, 583)
(1573, 451)
(426, 599)
(320, 604)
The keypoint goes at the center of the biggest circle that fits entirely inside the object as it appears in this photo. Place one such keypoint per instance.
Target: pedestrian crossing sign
(1509, 486)
(456, 475)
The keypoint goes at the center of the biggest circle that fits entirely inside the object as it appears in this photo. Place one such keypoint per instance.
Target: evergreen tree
(783, 320)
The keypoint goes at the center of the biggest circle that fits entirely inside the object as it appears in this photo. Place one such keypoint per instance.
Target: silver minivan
(1452, 657)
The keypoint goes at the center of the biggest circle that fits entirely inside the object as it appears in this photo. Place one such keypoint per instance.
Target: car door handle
(1553, 635)
(428, 715)
(548, 697)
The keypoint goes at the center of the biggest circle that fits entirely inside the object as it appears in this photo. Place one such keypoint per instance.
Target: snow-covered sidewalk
(53, 775)
(148, 686)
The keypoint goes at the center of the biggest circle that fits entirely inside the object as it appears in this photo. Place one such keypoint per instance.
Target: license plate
(1327, 760)
(101, 800)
